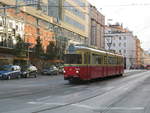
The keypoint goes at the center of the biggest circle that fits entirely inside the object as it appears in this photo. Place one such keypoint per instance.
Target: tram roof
(96, 50)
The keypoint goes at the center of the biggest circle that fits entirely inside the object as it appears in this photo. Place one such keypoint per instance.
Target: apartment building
(121, 40)
(96, 28)
(146, 58)
(138, 53)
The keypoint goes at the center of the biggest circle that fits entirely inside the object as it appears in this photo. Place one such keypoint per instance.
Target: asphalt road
(51, 94)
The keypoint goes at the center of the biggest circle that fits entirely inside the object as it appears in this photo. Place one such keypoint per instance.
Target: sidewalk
(127, 71)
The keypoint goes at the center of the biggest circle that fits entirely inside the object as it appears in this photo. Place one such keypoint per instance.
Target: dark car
(10, 71)
(29, 71)
(52, 70)
(61, 69)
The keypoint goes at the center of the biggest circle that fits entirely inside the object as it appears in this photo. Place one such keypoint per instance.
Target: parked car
(61, 69)
(52, 70)
(10, 71)
(29, 71)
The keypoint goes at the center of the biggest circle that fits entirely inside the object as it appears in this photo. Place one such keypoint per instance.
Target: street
(51, 94)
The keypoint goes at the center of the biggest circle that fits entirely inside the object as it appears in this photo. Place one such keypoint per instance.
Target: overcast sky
(134, 14)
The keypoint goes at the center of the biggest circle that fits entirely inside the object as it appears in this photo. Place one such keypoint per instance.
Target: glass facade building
(55, 8)
(74, 22)
(74, 10)
(64, 11)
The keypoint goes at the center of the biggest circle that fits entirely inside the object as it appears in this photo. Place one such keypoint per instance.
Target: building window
(74, 10)
(124, 38)
(119, 51)
(1, 23)
(119, 44)
(124, 44)
(119, 38)
(17, 28)
(74, 22)
(80, 3)
(124, 51)
(10, 25)
(114, 44)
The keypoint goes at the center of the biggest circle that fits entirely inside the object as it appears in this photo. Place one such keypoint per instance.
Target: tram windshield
(73, 59)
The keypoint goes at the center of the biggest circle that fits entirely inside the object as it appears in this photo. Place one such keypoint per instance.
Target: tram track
(48, 96)
(127, 84)
(19, 93)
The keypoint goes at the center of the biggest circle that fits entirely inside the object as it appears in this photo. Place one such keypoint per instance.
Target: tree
(56, 50)
(61, 43)
(52, 51)
(39, 52)
(20, 49)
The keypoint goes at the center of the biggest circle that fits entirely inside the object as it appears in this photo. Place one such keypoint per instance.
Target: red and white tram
(84, 63)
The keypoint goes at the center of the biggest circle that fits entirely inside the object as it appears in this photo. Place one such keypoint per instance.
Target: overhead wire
(42, 5)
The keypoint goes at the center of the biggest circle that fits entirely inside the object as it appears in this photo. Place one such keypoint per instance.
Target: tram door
(87, 65)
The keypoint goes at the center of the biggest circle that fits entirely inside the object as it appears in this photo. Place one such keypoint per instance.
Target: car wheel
(27, 75)
(35, 75)
(8, 78)
(18, 76)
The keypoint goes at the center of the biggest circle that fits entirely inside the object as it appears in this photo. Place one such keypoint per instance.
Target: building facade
(71, 15)
(146, 58)
(138, 53)
(121, 41)
(75, 18)
(10, 27)
(28, 23)
(97, 26)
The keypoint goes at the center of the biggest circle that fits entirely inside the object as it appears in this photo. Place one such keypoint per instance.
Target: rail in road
(19, 88)
(60, 97)
(108, 98)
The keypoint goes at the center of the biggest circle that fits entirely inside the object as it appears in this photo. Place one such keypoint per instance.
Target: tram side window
(109, 60)
(73, 59)
(96, 59)
(115, 60)
(112, 60)
(105, 59)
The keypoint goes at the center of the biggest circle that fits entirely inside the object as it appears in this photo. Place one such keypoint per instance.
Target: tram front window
(73, 59)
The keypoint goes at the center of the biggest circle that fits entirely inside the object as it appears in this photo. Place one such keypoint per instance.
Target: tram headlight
(64, 71)
(77, 71)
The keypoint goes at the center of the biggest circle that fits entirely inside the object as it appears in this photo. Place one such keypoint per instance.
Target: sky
(133, 14)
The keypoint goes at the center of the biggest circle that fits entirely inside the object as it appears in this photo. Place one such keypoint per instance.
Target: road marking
(44, 98)
(46, 103)
(108, 108)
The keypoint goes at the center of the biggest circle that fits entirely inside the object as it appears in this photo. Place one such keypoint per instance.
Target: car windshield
(6, 68)
(50, 67)
(24, 68)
